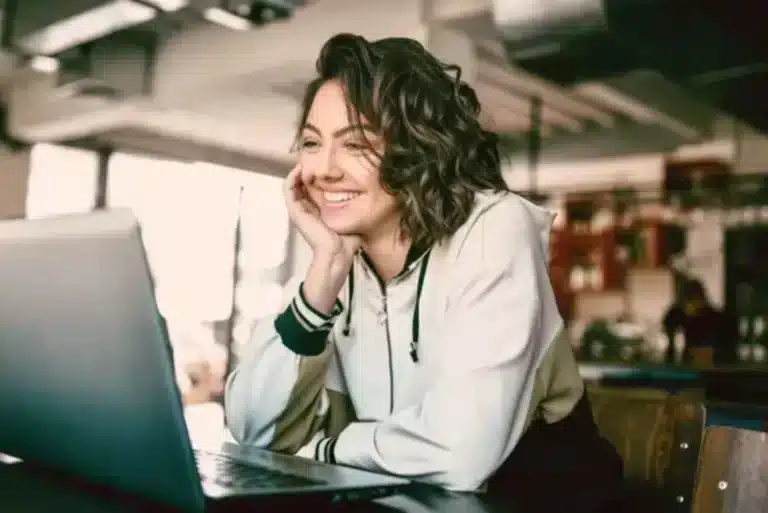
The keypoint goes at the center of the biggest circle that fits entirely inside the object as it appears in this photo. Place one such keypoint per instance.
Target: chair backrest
(688, 420)
(692, 394)
(639, 424)
(733, 472)
(658, 435)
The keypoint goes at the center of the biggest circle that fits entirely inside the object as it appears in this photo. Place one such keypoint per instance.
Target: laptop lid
(87, 384)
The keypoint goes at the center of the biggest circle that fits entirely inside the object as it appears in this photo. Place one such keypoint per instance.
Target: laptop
(87, 385)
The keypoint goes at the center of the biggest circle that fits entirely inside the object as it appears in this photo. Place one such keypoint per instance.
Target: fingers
(294, 177)
(293, 188)
(300, 174)
(297, 197)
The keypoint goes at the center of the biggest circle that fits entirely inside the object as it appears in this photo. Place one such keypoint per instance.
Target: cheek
(310, 163)
(382, 204)
(378, 202)
(362, 172)
(379, 199)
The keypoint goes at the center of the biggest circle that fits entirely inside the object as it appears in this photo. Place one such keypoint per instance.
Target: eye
(308, 144)
(356, 146)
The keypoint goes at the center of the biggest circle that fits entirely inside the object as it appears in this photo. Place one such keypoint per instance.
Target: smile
(339, 198)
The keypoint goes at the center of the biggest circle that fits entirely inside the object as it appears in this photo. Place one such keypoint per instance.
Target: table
(25, 490)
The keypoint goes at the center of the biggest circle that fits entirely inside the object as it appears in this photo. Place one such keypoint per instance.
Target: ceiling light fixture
(43, 64)
(222, 17)
(87, 26)
(168, 5)
(243, 15)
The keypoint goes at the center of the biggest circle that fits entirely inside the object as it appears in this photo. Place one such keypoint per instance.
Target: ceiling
(179, 82)
(714, 51)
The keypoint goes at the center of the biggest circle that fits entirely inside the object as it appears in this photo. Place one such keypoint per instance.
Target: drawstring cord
(414, 345)
(348, 320)
(414, 349)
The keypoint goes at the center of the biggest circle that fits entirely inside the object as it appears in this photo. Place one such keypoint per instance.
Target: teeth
(337, 197)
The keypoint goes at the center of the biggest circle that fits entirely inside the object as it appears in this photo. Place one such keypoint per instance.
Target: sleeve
(501, 319)
(276, 397)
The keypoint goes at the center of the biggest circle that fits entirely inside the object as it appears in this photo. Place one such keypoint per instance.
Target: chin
(344, 226)
(346, 230)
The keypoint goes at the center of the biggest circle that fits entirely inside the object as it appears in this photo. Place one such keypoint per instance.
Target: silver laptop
(87, 383)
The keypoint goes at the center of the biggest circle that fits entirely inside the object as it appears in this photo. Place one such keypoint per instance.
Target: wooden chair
(733, 472)
(639, 424)
(688, 417)
(658, 435)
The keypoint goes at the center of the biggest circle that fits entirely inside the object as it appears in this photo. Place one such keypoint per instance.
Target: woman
(424, 340)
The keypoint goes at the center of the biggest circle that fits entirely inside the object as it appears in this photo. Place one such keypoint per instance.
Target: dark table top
(26, 490)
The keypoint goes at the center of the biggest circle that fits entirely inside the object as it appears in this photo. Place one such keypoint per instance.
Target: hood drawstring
(414, 345)
(415, 322)
(348, 320)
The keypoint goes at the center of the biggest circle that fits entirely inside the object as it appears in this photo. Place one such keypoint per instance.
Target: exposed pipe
(534, 143)
(10, 9)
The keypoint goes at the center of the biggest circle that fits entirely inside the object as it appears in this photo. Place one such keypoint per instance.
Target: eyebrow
(342, 131)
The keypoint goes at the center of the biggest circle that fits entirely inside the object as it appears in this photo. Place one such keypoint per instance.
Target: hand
(306, 216)
(332, 253)
(207, 383)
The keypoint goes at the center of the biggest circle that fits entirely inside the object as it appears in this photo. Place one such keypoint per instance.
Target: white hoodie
(489, 358)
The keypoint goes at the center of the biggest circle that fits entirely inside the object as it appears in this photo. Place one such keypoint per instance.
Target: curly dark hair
(436, 154)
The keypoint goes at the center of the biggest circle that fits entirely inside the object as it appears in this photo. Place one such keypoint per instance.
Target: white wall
(636, 171)
(606, 173)
(649, 293)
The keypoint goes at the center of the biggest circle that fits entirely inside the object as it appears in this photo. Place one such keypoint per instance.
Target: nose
(325, 167)
(327, 173)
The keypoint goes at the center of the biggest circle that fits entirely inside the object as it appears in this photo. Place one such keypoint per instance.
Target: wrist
(323, 282)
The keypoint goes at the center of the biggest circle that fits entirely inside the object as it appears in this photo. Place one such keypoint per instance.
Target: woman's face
(341, 175)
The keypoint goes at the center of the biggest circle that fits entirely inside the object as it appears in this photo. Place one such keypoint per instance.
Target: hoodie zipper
(389, 351)
(385, 308)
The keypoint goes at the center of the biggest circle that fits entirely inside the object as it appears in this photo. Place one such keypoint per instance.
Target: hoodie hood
(542, 218)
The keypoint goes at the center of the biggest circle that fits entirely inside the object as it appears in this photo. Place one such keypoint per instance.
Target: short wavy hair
(436, 154)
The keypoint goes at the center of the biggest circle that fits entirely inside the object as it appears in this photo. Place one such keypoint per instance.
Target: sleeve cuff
(355, 446)
(303, 329)
(309, 317)
(325, 449)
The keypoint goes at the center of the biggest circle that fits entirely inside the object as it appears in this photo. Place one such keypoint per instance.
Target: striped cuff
(324, 450)
(310, 318)
(302, 328)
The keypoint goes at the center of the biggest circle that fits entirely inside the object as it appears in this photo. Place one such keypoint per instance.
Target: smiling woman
(339, 163)
(407, 124)
(424, 339)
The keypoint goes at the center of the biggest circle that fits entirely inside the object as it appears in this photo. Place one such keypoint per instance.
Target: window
(263, 254)
(62, 180)
(188, 215)
(216, 238)
(217, 243)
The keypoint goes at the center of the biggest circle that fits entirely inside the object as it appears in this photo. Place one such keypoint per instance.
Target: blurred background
(642, 124)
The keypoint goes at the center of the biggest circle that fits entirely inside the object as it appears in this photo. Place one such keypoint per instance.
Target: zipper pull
(414, 352)
(383, 313)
